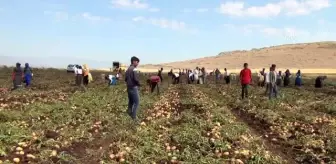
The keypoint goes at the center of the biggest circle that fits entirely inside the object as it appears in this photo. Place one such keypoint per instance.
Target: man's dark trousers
(273, 91)
(244, 91)
(153, 85)
(133, 101)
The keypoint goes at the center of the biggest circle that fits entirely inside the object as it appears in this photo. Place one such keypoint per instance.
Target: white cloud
(133, 4)
(187, 10)
(202, 10)
(199, 10)
(138, 19)
(137, 4)
(64, 16)
(154, 9)
(289, 33)
(165, 23)
(287, 7)
(90, 17)
(270, 31)
(58, 15)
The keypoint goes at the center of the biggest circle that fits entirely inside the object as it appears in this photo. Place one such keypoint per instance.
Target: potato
(16, 160)
(18, 149)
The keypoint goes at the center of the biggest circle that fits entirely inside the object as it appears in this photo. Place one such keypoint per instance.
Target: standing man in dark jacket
(133, 82)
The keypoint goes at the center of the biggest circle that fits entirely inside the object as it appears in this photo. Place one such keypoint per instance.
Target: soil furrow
(259, 128)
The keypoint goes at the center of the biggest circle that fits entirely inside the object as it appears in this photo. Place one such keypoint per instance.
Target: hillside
(319, 55)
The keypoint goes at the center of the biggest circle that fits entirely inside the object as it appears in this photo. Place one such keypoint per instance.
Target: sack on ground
(90, 78)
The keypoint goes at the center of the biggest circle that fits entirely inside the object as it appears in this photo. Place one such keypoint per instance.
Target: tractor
(118, 67)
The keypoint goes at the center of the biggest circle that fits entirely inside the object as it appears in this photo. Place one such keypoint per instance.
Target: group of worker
(83, 75)
(280, 77)
(22, 75)
(198, 75)
(264, 79)
(25, 75)
(272, 80)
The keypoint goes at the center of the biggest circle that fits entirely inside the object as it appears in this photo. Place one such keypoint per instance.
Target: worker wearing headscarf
(17, 76)
(86, 72)
(287, 78)
(217, 73)
(298, 79)
(28, 74)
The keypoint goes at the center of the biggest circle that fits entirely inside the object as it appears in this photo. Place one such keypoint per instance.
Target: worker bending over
(153, 82)
(319, 81)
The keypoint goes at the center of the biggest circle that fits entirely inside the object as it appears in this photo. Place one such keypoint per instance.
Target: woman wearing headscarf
(205, 74)
(28, 74)
(201, 76)
(279, 79)
(287, 78)
(298, 79)
(217, 74)
(86, 72)
(17, 76)
(196, 75)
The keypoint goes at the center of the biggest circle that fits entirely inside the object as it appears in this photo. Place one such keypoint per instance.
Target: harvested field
(57, 122)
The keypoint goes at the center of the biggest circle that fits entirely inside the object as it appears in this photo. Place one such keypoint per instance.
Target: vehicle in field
(71, 67)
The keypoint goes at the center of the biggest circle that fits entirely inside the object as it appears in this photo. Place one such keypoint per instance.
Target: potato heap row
(119, 151)
(167, 106)
(214, 134)
(313, 147)
(20, 153)
(12, 101)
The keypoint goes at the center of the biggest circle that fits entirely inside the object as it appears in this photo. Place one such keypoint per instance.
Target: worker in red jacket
(153, 82)
(245, 79)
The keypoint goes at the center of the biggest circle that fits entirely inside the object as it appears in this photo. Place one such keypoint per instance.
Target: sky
(156, 31)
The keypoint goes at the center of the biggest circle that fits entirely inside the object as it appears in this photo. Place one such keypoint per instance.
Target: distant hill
(319, 55)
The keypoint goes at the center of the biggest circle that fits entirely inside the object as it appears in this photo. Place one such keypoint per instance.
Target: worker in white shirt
(267, 80)
(200, 77)
(191, 77)
(226, 76)
(196, 75)
(176, 78)
(79, 75)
